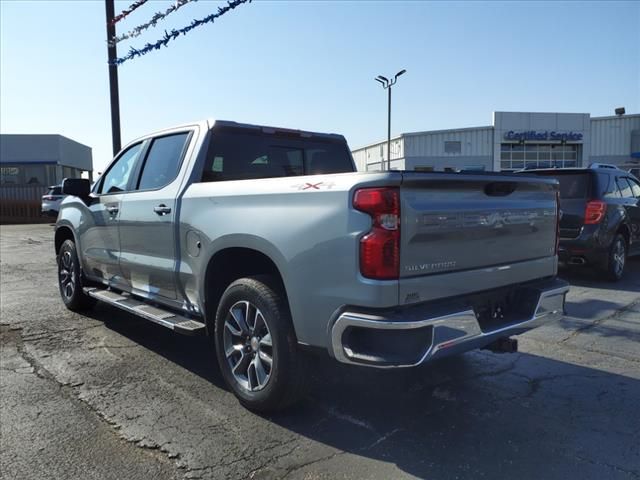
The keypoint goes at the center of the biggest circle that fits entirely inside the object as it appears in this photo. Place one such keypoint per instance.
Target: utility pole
(389, 129)
(113, 78)
(387, 84)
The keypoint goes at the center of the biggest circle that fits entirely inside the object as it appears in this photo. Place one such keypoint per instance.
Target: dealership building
(41, 159)
(515, 140)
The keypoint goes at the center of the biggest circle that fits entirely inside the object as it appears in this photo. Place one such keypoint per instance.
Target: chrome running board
(166, 318)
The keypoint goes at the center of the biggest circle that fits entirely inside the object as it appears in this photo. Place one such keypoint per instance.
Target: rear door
(147, 218)
(631, 200)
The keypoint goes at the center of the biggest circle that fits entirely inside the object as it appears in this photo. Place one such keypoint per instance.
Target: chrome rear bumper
(445, 332)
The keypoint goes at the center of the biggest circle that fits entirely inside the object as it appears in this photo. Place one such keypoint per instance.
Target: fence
(21, 203)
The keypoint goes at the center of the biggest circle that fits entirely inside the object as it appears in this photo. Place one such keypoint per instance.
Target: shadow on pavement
(478, 415)
(588, 277)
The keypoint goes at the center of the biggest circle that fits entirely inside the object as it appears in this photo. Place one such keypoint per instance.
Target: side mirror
(79, 187)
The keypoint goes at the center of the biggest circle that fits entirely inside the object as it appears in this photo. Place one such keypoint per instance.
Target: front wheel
(256, 346)
(69, 279)
(617, 259)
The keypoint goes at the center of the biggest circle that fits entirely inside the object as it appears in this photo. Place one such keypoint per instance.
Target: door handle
(112, 209)
(162, 209)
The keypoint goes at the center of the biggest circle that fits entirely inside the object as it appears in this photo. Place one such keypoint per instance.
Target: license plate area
(500, 308)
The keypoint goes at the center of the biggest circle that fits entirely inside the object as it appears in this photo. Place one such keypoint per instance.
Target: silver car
(51, 201)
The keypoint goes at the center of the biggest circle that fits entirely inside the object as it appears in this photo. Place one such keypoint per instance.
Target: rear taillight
(48, 197)
(594, 212)
(380, 247)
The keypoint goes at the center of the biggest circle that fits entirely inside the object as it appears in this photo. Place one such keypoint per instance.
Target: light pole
(387, 84)
(113, 78)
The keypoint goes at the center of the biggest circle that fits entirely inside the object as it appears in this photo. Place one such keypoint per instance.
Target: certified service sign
(543, 135)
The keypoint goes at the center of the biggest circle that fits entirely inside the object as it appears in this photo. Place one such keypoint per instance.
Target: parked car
(269, 241)
(600, 224)
(635, 172)
(51, 201)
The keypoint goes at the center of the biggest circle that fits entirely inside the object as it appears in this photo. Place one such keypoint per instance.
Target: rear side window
(237, 155)
(608, 186)
(54, 191)
(625, 188)
(635, 187)
(163, 161)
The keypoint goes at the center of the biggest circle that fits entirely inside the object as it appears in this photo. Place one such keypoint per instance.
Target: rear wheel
(69, 279)
(617, 259)
(256, 346)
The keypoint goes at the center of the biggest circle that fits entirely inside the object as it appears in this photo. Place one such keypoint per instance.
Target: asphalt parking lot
(110, 396)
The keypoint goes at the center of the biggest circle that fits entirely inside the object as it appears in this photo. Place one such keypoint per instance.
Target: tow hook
(503, 345)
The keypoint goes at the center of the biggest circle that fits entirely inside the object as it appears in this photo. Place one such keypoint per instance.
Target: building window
(517, 156)
(452, 147)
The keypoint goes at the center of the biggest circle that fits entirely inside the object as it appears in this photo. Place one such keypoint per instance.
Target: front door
(147, 220)
(99, 236)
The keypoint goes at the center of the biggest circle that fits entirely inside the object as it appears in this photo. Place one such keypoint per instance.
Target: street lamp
(387, 84)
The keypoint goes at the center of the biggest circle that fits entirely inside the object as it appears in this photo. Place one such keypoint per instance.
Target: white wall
(427, 149)
(370, 156)
(611, 139)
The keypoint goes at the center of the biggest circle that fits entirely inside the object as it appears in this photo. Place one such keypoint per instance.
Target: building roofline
(397, 137)
(424, 132)
(546, 113)
(609, 117)
(452, 130)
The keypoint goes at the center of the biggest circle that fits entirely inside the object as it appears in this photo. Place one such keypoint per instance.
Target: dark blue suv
(600, 223)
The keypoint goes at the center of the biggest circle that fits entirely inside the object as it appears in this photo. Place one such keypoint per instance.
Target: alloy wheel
(66, 276)
(247, 346)
(619, 255)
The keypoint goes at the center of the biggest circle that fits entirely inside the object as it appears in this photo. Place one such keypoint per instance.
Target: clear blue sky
(311, 65)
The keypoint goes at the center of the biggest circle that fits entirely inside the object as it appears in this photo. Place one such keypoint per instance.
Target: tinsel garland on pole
(173, 34)
(158, 16)
(126, 12)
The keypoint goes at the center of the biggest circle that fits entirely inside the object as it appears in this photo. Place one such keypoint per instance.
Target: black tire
(616, 259)
(259, 298)
(69, 279)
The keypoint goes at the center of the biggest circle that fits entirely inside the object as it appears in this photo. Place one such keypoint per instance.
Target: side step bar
(167, 319)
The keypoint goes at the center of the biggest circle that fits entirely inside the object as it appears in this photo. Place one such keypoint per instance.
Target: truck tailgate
(458, 222)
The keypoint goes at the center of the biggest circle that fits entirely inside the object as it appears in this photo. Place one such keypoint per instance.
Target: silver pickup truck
(269, 241)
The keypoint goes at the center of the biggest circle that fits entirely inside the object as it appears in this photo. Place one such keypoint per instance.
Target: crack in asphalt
(617, 468)
(158, 424)
(619, 312)
(193, 472)
(295, 468)
(67, 389)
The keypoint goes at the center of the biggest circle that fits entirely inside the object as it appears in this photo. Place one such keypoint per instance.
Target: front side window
(163, 161)
(117, 178)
